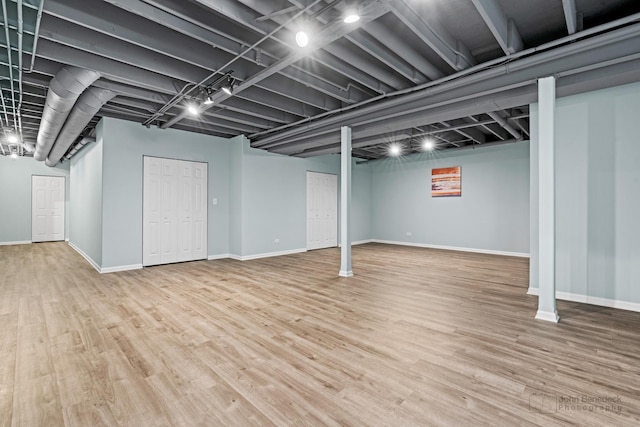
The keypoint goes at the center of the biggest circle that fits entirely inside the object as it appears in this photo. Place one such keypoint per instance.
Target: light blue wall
(86, 199)
(361, 205)
(125, 144)
(597, 194)
(492, 214)
(15, 193)
(271, 199)
(274, 191)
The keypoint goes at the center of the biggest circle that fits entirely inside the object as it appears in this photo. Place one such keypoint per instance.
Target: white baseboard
(19, 242)
(107, 269)
(85, 256)
(548, 316)
(358, 242)
(586, 299)
(453, 248)
(120, 268)
(220, 256)
(266, 255)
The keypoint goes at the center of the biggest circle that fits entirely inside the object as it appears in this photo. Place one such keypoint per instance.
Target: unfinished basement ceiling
(461, 72)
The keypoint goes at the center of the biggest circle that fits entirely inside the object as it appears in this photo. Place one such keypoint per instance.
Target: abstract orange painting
(446, 182)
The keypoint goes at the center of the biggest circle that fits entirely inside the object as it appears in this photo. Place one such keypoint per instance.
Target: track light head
(428, 144)
(12, 138)
(228, 87)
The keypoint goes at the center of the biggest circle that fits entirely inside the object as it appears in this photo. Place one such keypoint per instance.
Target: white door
(47, 207)
(322, 210)
(199, 210)
(175, 211)
(151, 211)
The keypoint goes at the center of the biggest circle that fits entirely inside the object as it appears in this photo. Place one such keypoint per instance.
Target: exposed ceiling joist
(503, 28)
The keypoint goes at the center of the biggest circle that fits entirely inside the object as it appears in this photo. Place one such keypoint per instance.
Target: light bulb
(302, 39)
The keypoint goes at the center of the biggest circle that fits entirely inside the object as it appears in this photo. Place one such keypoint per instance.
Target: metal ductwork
(87, 106)
(64, 90)
(84, 141)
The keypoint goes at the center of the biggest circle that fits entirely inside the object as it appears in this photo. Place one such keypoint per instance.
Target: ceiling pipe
(85, 109)
(9, 60)
(84, 141)
(505, 125)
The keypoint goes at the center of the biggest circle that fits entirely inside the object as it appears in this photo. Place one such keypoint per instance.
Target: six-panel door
(47, 208)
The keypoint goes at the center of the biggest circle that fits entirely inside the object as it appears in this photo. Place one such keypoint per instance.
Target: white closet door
(322, 210)
(175, 211)
(199, 209)
(169, 212)
(47, 207)
(152, 215)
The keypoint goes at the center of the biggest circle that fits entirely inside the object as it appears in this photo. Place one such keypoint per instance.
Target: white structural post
(345, 202)
(547, 203)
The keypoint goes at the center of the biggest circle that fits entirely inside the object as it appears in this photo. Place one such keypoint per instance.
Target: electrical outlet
(214, 201)
(276, 240)
(409, 233)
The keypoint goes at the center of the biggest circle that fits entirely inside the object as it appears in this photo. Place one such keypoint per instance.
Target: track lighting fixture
(228, 86)
(208, 100)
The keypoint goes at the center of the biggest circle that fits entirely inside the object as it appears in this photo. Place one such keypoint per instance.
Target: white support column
(547, 203)
(345, 202)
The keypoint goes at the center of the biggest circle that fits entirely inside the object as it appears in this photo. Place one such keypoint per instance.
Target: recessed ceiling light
(302, 39)
(351, 17)
(428, 144)
(395, 149)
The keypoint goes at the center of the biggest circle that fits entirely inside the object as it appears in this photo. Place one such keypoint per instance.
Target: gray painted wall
(15, 193)
(125, 144)
(597, 194)
(86, 199)
(492, 214)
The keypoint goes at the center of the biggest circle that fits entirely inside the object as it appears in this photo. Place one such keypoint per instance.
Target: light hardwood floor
(418, 337)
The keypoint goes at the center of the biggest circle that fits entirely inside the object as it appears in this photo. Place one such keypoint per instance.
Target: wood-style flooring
(417, 337)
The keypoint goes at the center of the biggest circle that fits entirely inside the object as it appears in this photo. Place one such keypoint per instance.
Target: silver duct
(87, 106)
(64, 90)
(84, 141)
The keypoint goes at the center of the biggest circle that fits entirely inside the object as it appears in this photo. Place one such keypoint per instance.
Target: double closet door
(174, 211)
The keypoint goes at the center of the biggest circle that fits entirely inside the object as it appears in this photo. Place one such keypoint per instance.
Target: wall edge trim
(85, 256)
(17, 242)
(453, 248)
(586, 299)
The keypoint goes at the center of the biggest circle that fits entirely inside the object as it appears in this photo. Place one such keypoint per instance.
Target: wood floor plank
(417, 337)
